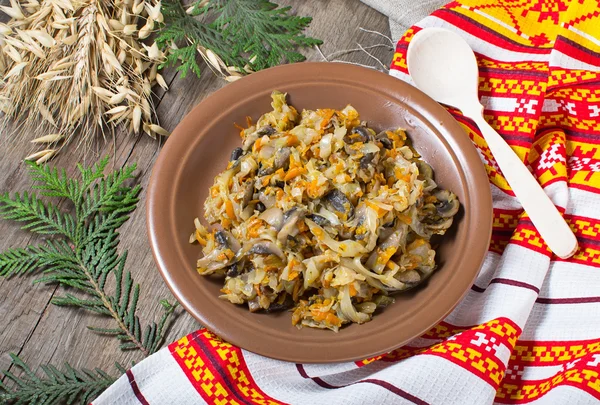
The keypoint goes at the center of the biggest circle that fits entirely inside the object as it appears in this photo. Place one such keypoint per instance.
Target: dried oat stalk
(72, 69)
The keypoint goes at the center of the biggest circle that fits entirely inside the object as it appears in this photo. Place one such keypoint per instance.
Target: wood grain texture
(41, 332)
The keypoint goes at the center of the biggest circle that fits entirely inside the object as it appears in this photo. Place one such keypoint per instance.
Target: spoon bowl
(443, 66)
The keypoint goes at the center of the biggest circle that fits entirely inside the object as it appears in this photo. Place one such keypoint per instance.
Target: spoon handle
(542, 211)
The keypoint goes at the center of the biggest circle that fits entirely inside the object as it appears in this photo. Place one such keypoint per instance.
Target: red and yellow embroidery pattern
(483, 349)
(552, 353)
(217, 370)
(513, 226)
(583, 373)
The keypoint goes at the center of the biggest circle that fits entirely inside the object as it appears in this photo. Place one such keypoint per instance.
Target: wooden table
(42, 333)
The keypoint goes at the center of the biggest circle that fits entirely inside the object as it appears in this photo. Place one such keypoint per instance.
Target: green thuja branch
(66, 386)
(83, 253)
(253, 34)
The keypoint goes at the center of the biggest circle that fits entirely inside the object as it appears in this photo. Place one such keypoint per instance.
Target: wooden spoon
(444, 67)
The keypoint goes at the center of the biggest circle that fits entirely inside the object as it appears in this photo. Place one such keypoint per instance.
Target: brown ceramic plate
(199, 148)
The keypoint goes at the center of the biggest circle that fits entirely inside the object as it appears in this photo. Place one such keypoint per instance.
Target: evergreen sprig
(83, 254)
(253, 33)
(67, 386)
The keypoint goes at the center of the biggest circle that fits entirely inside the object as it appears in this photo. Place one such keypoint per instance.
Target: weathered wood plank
(45, 333)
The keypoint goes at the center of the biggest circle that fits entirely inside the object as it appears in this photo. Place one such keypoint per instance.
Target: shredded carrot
(383, 255)
(266, 180)
(380, 211)
(416, 243)
(313, 189)
(254, 227)
(257, 145)
(200, 239)
(302, 226)
(293, 140)
(327, 114)
(352, 289)
(318, 315)
(296, 171)
(225, 223)
(293, 275)
(249, 121)
(241, 129)
(229, 209)
(318, 233)
(257, 289)
(331, 319)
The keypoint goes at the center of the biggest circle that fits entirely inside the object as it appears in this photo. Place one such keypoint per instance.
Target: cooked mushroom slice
(366, 226)
(290, 218)
(411, 277)
(382, 254)
(267, 200)
(211, 263)
(267, 248)
(259, 133)
(254, 304)
(359, 134)
(440, 226)
(337, 202)
(385, 140)
(282, 159)
(281, 304)
(366, 160)
(421, 258)
(236, 153)
(249, 141)
(266, 130)
(248, 193)
(221, 239)
(416, 225)
(426, 175)
(385, 231)
(235, 269)
(226, 240)
(367, 165)
(447, 205)
(216, 259)
(266, 170)
(319, 220)
(274, 217)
